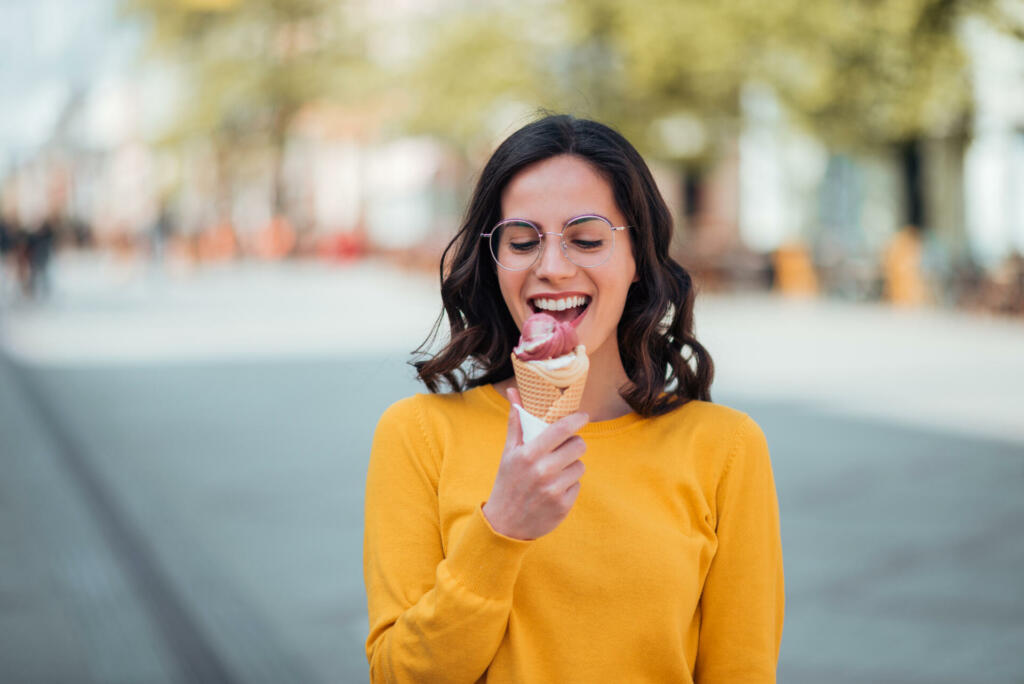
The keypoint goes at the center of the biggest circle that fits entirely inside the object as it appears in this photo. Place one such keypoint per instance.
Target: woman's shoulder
(429, 408)
(712, 416)
(719, 429)
(426, 425)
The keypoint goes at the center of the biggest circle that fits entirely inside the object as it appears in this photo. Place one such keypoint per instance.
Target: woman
(489, 559)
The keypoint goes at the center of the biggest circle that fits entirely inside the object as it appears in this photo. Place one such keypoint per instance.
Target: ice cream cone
(552, 394)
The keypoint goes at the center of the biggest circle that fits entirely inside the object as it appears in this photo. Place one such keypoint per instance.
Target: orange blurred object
(904, 284)
(794, 272)
(347, 246)
(218, 243)
(276, 240)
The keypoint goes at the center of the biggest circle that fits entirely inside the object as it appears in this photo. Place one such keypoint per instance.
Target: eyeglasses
(586, 241)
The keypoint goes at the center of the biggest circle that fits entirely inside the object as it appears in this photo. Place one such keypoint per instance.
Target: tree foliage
(252, 65)
(856, 72)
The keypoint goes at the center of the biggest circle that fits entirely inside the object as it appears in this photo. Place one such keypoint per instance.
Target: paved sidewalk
(66, 603)
(184, 460)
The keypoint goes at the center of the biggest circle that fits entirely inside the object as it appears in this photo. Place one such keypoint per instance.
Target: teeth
(560, 304)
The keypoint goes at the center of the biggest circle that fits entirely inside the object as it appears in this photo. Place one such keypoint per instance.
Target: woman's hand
(537, 483)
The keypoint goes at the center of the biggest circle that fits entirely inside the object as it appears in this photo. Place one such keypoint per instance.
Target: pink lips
(544, 337)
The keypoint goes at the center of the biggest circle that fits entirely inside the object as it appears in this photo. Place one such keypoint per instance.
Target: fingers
(569, 451)
(513, 396)
(514, 436)
(569, 476)
(560, 431)
(537, 483)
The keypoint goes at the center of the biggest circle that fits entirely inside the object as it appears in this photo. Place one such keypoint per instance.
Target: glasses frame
(542, 233)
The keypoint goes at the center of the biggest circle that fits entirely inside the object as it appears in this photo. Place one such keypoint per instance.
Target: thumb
(513, 396)
(515, 428)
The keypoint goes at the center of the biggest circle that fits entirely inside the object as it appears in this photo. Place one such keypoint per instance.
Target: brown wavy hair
(656, 328)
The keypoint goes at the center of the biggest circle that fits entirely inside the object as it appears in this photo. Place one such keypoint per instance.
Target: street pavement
(184, 455)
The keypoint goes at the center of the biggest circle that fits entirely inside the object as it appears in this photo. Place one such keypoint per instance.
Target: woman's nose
(552, 263)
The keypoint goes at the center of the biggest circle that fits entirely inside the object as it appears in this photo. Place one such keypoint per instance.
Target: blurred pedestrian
(6, 237)
(487, 557)
(39, 249)
(161, 233)
(20, 257)
(6, 248)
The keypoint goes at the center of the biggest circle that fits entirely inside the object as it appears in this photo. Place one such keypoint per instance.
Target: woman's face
(549, 193)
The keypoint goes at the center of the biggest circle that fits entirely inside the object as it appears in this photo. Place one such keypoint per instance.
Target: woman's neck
(601, 398)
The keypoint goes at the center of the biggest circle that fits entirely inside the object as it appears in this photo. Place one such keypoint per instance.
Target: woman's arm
(742, 603)
(432, 618)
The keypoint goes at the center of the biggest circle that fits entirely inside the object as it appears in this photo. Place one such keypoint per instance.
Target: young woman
(489, 559)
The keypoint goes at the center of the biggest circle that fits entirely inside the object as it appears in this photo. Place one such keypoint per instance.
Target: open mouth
(565, 310)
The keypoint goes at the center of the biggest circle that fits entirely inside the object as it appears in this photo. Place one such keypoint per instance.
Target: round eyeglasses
(586, 241)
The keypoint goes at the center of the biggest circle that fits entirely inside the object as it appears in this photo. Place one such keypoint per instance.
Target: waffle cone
(552, 394)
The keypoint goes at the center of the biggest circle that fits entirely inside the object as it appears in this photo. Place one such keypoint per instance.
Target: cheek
(623, 278)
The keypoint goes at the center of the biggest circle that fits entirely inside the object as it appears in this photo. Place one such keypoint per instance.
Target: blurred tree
(867, 73)
(857, 73)
(474, 66)
(253, 65)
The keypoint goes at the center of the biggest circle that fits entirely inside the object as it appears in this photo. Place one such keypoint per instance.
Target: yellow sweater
(667, 569)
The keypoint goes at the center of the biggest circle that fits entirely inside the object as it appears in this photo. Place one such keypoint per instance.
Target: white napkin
(532, 425)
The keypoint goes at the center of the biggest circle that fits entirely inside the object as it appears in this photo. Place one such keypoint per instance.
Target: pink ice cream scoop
(544, 337)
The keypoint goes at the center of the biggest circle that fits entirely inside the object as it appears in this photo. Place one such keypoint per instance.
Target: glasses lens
(588, 240)
(515, 244)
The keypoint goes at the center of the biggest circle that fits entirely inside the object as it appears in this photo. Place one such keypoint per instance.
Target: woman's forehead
(556, 190)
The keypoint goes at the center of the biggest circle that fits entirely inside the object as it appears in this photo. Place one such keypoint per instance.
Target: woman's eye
(587, 244)
(523, 246)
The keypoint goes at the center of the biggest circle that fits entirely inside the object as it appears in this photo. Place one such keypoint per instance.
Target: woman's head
(582, 277)
(641, 301)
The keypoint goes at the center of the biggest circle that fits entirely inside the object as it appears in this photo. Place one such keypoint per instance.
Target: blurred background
(220, 227)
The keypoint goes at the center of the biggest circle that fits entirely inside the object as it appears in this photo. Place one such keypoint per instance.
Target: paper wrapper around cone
(552, 394)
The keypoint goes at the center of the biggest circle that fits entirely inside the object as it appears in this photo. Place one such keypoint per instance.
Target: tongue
(566, 315)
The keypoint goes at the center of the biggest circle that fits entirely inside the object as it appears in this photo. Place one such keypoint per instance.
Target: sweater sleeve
(742, 603)
(432, 617)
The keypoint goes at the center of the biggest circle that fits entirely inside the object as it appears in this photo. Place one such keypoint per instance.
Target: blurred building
(960, 193)
(994, 159)
(83, 128)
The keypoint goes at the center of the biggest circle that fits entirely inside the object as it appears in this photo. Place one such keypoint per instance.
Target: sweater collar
(593, 429)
